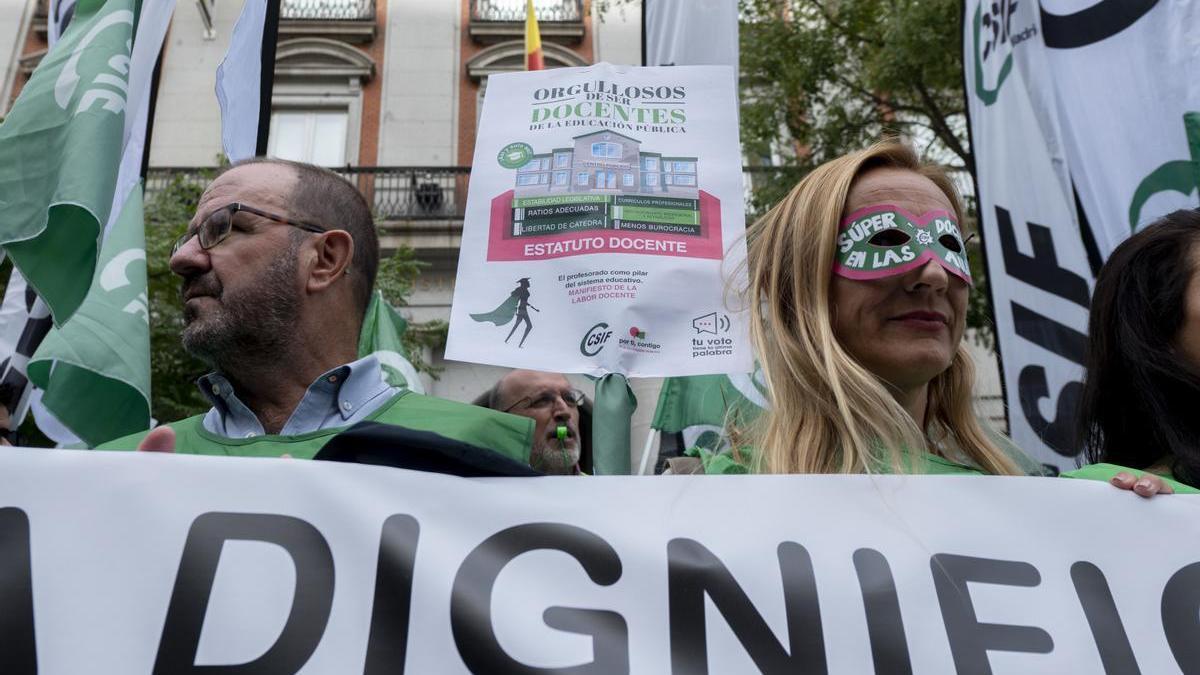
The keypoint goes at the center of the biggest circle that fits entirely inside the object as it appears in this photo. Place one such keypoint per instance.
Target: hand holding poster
(604, 224)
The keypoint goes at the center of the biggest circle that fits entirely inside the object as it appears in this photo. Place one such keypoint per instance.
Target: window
(545, 163)
(532, 165)
(610, 150)
(650, 179)
(581, 178)
(650, 164)
(669, 179)
(313, 136)
(684, 179)
(543, 178)
(627, 179)
(560, 177)
(562, 160)
(687, 167)
(606, 179)
(527, 179)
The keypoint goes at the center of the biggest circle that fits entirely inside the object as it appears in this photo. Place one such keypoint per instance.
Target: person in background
(858, 292)
(277, 269)
(1138, 421)
(8, 435)
(561, 441)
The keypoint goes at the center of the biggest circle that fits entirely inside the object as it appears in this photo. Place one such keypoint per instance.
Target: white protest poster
(1038, 269)
(604, 225)
(119, 563)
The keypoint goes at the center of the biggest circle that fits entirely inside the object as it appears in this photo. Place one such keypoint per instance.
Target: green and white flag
(381, 334)
(60, 147)
(95, 370)
(701, 408)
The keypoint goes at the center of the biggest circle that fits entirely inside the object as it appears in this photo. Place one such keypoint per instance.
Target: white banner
(1066, 97)
(1131, 123)
(1037, 265)
(691, 32)
(604, 225)
(137, 563)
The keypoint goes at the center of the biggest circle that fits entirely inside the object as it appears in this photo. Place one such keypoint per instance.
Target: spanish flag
(533, 40)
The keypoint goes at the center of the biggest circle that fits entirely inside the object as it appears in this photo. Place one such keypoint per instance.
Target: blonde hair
(828, 413)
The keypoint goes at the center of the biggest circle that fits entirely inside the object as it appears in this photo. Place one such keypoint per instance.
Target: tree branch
(941, 128)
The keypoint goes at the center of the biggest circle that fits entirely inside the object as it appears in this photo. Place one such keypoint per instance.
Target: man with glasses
(277, 269)
(559, 411)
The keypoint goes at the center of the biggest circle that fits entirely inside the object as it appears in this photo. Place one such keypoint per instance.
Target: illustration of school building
(607, 162)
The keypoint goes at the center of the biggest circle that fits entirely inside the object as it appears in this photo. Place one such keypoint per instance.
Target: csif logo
(115, 276)
(1181, 175)
(999, 39)
(109, 89)
(595, 339)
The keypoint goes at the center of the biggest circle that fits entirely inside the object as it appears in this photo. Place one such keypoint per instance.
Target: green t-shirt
(510, 435)
(1105, 472)
(724, 463)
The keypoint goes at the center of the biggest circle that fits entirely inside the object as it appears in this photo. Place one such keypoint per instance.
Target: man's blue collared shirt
(338, 398)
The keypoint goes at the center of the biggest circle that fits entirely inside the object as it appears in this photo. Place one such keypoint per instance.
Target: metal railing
(395, 192)
(440, 192)
(514, 10)
(328, 10)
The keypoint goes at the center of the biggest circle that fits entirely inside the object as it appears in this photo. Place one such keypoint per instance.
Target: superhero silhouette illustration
(517, 305)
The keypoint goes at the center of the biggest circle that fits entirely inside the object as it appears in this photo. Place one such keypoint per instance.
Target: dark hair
(489, 398)
(324, 198)
(1139, 398)
(8, 394)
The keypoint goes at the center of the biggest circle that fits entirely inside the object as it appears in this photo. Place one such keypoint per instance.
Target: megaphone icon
(711, 323)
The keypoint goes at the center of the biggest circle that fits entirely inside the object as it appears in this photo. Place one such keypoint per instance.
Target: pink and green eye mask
(885, 240)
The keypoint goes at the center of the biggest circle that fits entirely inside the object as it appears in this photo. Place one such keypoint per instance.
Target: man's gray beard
(548, 457)
(253, 327)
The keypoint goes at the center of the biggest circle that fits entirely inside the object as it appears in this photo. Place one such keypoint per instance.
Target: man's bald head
(320, 196)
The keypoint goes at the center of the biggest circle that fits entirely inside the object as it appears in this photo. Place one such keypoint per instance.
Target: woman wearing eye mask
(858, 293)
(1138, 417)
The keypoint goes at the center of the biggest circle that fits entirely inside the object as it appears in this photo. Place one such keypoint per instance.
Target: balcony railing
(514, 10)
(327, 10)
(395, 193)
(403, 193)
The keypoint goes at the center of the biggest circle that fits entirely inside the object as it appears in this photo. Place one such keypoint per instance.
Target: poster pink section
(504, 246)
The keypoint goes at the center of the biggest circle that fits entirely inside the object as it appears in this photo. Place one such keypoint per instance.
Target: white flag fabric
(239, 83)
(141, 562)
(691, 33)
(1131, 124)
(59, 17)
(1071, 105)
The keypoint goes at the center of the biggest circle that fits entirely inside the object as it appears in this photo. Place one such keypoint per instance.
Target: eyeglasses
(546, 399)
(217, 226)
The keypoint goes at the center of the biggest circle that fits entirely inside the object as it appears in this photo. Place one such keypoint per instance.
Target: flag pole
(270, 40)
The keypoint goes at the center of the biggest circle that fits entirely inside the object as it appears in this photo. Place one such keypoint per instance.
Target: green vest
(1105, 472)
(510, 435)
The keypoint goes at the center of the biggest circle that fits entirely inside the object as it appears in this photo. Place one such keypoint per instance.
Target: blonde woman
(858, 292)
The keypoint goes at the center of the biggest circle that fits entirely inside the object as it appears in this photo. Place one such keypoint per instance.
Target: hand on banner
(1147, 486)
(161, 439)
